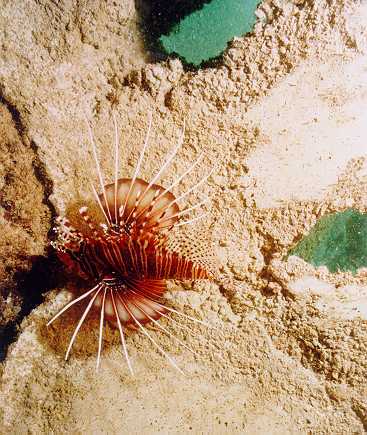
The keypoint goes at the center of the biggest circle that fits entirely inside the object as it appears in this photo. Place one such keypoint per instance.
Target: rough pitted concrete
(285, 359)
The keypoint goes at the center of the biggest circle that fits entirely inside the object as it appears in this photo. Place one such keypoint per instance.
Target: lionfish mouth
(138, 247)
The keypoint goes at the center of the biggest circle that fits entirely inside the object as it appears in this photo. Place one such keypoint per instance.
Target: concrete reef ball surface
(284, 117)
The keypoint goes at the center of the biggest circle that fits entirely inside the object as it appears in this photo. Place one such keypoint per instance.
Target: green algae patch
(338, 241)
(204, 34)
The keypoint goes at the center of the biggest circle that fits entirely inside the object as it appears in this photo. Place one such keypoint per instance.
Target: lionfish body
(130, 255)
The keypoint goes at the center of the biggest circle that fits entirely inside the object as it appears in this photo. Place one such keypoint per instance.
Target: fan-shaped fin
(131, 295)
(194, 245)
(138, 206)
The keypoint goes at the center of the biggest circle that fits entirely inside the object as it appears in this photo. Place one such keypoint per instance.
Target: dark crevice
(44, 273)
(39, 167)
(47, 183)
(14, 114)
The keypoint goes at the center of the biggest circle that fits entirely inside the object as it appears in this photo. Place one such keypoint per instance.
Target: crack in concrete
(42, 275)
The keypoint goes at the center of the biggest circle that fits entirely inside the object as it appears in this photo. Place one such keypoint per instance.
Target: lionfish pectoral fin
(139, 297)
(139, 205)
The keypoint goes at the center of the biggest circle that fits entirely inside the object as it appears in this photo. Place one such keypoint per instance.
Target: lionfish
(129, 257)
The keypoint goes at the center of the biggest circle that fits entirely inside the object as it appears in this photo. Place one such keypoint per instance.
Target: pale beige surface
(313, 124)
(284, 357)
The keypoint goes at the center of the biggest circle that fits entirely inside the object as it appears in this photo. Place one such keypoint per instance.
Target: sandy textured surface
(284, 120)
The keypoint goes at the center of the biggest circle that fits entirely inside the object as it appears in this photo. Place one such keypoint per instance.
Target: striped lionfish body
(130, 254)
